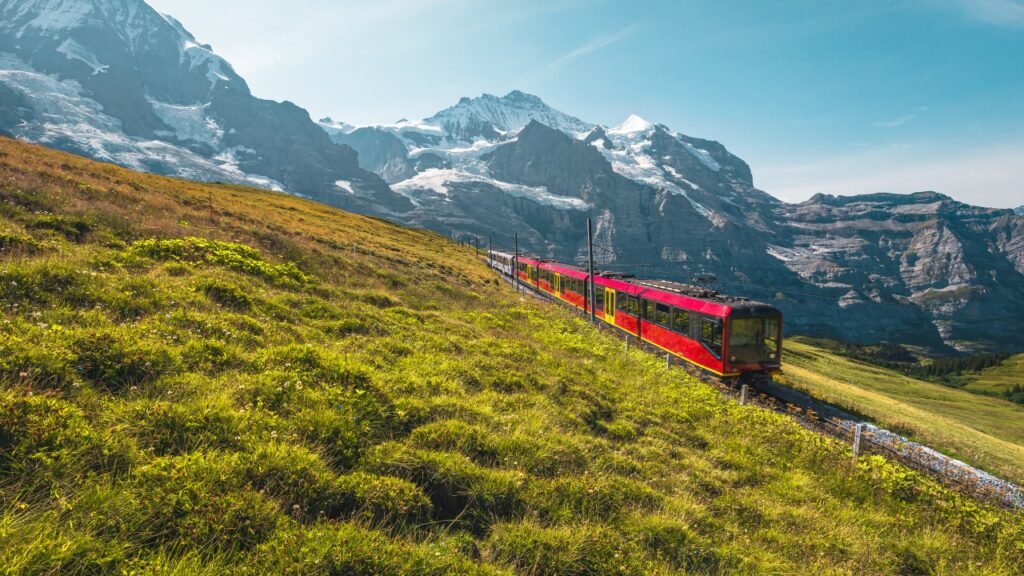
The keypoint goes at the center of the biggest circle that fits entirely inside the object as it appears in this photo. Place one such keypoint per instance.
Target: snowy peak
(489, 116)
(633, 125)
(1019, 210)
(334, 127)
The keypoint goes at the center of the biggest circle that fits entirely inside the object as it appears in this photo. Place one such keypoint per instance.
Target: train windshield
(754, 340)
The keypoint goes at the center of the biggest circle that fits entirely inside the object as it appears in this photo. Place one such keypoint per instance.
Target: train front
(753, 339)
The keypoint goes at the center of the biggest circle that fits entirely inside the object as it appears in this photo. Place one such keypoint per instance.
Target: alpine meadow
(551, 288)
(208, 379)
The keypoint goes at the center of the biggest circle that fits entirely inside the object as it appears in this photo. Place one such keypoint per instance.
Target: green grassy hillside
(999, 381)
(982, 430)
(208, 380)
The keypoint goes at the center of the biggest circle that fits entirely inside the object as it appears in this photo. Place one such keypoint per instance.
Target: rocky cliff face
(115, 80)
(957, 266)
(918, 268)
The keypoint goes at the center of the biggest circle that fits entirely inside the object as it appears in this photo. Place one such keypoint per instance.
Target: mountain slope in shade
(1019, 210)
(919, 269)
(117, 81)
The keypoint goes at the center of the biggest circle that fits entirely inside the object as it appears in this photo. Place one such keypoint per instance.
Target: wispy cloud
(897, 122)
(595, 44)
(1002, 12)
(894, 123)
(996, 12)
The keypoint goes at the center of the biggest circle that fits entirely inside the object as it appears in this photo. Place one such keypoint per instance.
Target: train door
(609, 305)
(558, 284)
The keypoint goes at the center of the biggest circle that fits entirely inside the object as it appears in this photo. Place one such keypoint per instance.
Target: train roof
(687, 295)
(574, 271)
(695, 298)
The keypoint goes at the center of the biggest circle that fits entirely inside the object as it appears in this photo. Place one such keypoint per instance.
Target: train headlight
(733, 358)
(772, 356)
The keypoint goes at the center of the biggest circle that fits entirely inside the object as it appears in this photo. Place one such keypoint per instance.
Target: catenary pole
(590, 272)
(515, 261)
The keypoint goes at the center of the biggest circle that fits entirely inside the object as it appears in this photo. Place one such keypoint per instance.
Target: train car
(564, 282)
(726, 335)
(501, 261)
(529, 270)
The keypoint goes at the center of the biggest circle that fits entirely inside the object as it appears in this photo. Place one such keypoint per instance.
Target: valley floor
(205, 379)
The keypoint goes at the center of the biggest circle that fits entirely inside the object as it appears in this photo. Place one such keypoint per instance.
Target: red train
(725, 335)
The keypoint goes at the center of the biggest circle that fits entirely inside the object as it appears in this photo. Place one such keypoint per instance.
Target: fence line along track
(837, 423)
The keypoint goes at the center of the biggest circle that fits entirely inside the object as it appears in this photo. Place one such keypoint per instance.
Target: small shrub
(317, 366)
(13, 243)
(227, 295)
(379, 300)
(306, 486)
(74, 228)
(319, 311)
(176, 269)
(131, 298)
(200, 501)
(41, 436)
(169, 428)
(676, 543)
(581, 550)
(211, 357)
(113, 364)
(380, 499)
(348, 550)
(458, 488)
(589, 497)
(44, 283)
(343, 431)
(227, 254)
(40, 367)
(353, 327)
(457, 436)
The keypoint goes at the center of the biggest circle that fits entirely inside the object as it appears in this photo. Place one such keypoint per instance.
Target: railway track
(865, 438)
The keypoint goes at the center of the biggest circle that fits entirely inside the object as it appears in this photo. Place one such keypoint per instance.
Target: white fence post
(668, 361)
(743, 395)
(627, 343)
(857, 433)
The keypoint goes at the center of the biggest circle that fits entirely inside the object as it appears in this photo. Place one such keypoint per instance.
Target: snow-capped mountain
(117, 81)
(1019, 210)
(489, 116)
(915, 268)
(120, 82)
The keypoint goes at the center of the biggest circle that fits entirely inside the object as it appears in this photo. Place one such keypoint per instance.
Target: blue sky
(828, 96)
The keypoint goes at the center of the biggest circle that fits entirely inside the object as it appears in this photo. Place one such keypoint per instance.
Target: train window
(621, 302)
(711, 336)
(771, 335)
(662, 314)
(681, 321)
(598, 298)
(636, 306)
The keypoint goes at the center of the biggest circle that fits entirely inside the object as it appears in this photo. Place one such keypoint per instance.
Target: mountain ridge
(117, 81)
(923, 267)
